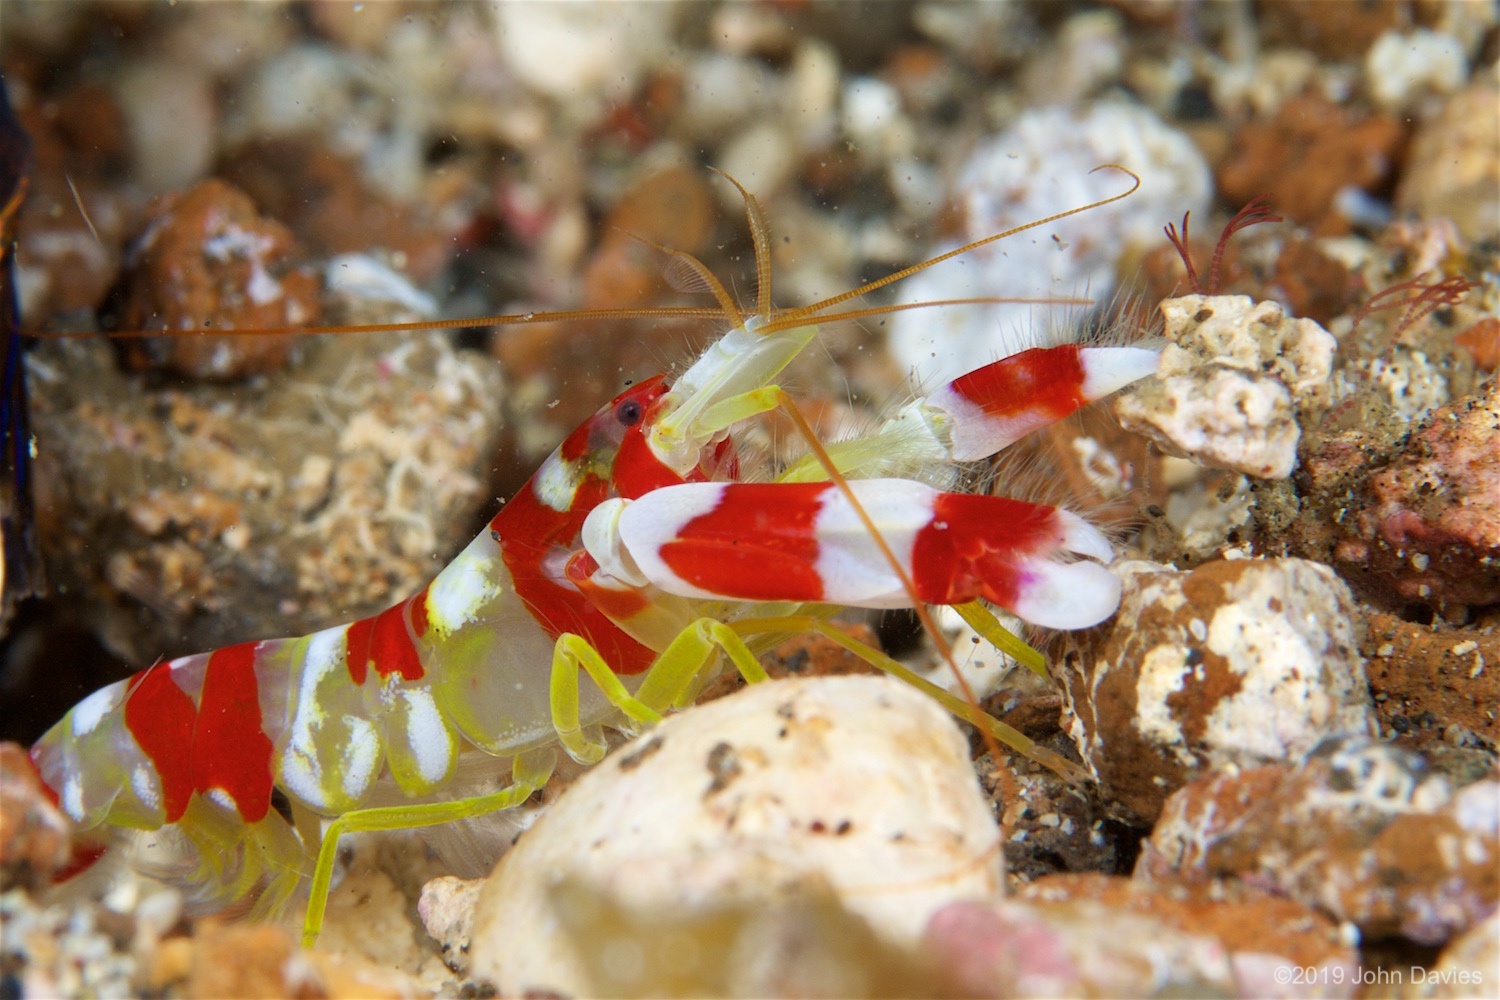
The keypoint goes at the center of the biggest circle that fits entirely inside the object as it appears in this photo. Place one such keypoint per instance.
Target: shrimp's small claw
(997, 405)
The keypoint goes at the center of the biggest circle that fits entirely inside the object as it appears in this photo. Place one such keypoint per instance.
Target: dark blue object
(23, 561)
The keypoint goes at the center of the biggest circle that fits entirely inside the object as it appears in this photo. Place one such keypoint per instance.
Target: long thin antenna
(794, 317)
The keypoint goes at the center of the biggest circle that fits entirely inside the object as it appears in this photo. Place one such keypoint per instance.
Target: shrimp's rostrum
(630, 564)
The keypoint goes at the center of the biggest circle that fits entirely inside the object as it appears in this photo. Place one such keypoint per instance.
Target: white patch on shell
(1066, 595)
(974, 433)
(431, 745)
(555, 483)
(143, 783)
(361, 753)
(301, 769)
(657, 518)
(72, 797)
(1108, 369)
(602, 540)
(463, 587)
(302, 777)
(1082, 538)
(90, 711)
(853, 569)
(222, 799)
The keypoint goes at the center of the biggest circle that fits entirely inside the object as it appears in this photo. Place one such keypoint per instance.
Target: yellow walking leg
(667, 681)
(529, 771)
(982, 620)
(1011, 737)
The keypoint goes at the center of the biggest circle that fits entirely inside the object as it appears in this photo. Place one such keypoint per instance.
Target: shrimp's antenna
(760, 236)
(498, 319)
(787, 319)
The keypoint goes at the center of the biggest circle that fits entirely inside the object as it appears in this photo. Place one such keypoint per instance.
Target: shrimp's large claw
(806, 542)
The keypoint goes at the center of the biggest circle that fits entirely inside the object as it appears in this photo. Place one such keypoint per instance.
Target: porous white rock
(1230, 384)
(857, 783)
(1465, 966)
(579, 51)
(1401, 66)
(169, 150)
(1231, 665)
(1040, 166)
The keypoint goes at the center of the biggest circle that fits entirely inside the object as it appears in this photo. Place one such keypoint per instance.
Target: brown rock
(322, 198)
(1312, 284)
(1467, 966)
(1360, 830)
(673, 208)
(1253, 925)
(33, 833)
(586, 362)
(1482, 340)
(1310, 151)
(207, 261)
(1428, 679)
(71, 224)
(204, 514)
(262, 960)
(804, 656)
(249, 961)
(1334, 29)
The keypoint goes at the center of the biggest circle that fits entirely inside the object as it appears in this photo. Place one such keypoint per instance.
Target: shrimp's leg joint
(529, 772)
(667, 684)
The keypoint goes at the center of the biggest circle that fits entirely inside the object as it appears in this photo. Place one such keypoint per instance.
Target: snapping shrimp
(602, 594)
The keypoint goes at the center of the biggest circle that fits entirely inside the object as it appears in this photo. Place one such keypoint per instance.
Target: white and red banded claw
(804, 542)
(1002, 402)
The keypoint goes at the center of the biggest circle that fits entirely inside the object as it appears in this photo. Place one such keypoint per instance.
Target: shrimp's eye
(629, 412)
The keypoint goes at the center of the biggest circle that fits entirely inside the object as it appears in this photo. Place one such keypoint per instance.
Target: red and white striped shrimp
(635, 555)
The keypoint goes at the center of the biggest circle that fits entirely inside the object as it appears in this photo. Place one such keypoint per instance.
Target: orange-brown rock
(1310, 151)
(208, 261)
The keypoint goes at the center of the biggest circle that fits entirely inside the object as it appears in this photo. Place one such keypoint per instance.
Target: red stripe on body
(230, 749)
(1046, 380)
(384, 641)
(530, 533)
(637, 470)
(759, 544)
(578, 444)
(81, 857)
(970, 547)
(418, 604)
(161, 717)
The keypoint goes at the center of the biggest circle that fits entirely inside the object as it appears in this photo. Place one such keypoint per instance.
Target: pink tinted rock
(1073, 947)
(1262, 932)
(1426, 528)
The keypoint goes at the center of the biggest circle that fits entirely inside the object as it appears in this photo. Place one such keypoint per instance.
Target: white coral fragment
(1229, 386)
